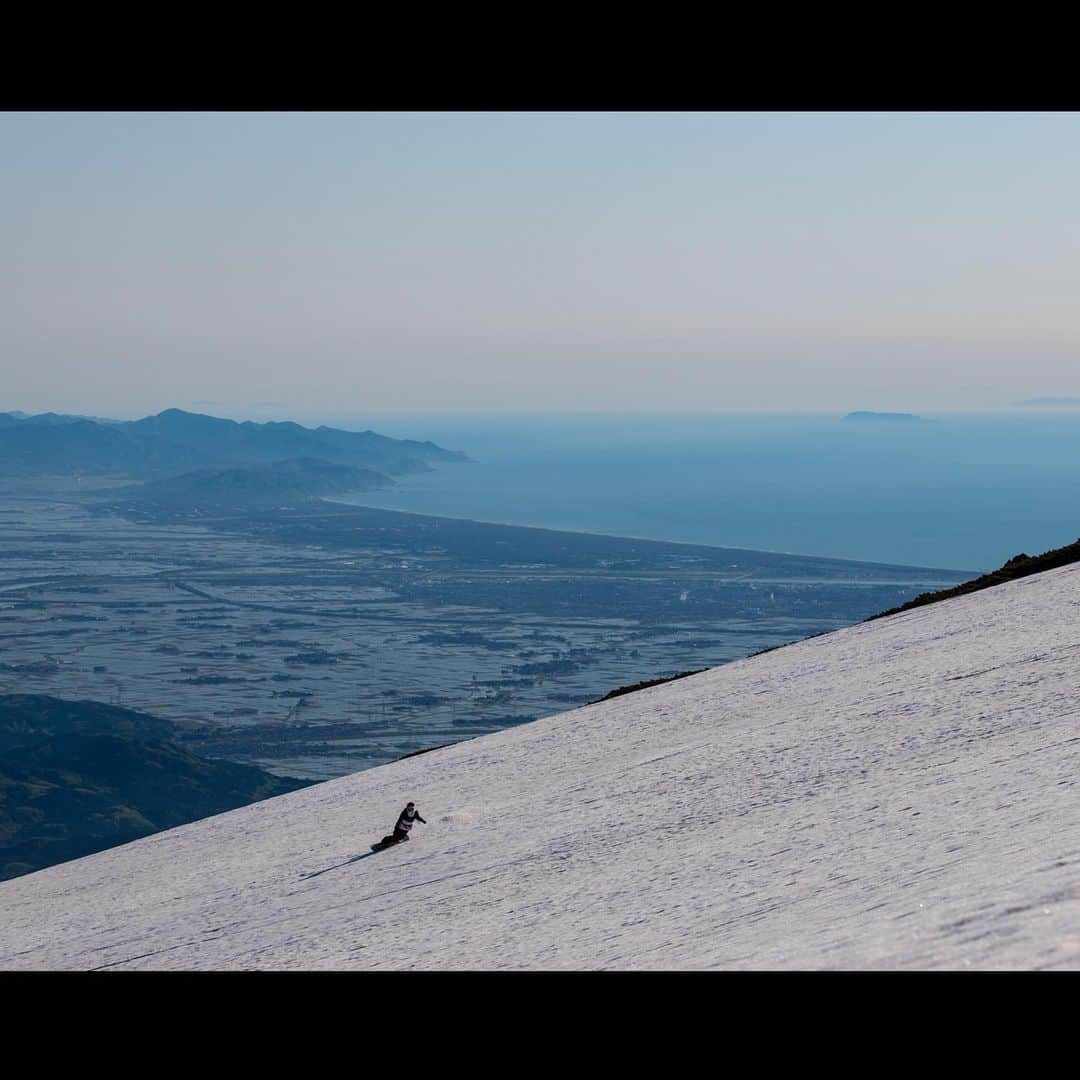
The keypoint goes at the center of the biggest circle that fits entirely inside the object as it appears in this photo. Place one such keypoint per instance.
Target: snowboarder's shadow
(338, 866)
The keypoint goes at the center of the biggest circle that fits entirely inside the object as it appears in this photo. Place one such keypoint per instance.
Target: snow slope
(899, 794)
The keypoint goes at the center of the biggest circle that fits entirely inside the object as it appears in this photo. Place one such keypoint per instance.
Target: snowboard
(387, 841)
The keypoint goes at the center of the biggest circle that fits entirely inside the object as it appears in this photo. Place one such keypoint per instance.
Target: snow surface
(898, 794)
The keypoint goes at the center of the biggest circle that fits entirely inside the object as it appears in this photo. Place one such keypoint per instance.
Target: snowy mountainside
(898, 794)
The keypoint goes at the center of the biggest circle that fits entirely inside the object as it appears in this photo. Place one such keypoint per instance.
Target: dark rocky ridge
(80, 776)
(1018, 566)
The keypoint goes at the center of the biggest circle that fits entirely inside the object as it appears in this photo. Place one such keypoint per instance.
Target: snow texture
(898, 794)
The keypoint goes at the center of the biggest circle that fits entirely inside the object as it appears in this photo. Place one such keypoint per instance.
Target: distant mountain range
(175, 442)
(80, 776)
(50, 418)
(1051, 402)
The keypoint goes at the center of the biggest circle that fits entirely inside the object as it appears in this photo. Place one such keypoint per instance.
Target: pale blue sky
(367, 262)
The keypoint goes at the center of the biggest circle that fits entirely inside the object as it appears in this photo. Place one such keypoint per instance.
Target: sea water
(960, 491)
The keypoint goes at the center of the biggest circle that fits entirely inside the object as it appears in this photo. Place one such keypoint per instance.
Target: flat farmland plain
(322, 639)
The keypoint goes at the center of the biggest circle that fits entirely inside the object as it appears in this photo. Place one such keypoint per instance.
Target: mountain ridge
(175, 441)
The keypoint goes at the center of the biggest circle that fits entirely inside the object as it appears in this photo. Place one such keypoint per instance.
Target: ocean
(962, 491)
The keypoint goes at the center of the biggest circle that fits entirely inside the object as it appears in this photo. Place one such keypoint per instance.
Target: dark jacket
(405, 820)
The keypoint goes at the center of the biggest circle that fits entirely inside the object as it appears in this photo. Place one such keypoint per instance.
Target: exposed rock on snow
(899, 794)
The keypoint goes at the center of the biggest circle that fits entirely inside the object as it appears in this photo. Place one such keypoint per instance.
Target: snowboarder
(404, 824)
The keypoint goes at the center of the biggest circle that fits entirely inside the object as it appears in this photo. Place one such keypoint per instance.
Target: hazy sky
(253, 264)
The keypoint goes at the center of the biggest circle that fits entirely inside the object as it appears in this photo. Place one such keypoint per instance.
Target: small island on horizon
(886, 417)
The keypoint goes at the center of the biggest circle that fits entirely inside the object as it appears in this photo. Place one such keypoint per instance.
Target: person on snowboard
(405, 823)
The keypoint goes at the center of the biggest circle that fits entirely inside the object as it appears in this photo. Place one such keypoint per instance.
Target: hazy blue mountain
(80, 776)
(229, 441)
(282, 481)
(86, 447)
(52, 418)
(175, 441)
